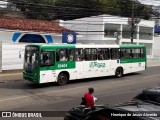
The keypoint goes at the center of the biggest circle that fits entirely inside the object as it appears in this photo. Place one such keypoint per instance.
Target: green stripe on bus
(131, 46)
(133, 60)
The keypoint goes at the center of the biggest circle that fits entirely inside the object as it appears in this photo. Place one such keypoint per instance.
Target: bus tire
(62, 79)
(119, 72)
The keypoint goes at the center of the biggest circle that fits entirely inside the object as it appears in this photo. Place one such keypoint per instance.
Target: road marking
(10, 74)
(120, 81)
(151, 76)
(20, 97)
(154, 65)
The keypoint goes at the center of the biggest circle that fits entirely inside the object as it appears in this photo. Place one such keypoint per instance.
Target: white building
(16, 33)
(103, 29)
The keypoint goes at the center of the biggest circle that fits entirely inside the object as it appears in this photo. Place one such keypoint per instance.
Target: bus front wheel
(62, 79)
(119, 72)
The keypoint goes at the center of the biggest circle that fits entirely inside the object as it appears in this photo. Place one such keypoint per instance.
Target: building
(107, 29)
(16, 33)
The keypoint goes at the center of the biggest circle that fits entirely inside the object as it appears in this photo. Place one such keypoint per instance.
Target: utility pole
(132, 28)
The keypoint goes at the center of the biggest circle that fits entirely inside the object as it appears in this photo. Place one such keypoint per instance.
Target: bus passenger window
(103, 54)
(100, 56)
(90, 54)
(78, 54)
(136, 53)
(71, 55)
(62, 55)
(115, 53)
(47, 59)
(126, 53)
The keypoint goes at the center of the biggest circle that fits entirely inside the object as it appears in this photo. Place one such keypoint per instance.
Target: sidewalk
(15, 75)
(10, 75)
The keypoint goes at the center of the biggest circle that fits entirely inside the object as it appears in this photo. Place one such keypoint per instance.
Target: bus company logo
(96, 64)
(70, 38)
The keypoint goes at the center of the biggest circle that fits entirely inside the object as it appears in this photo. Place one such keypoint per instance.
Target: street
(26, 96)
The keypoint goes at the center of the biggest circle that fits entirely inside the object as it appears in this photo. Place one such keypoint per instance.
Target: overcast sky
(151, 2)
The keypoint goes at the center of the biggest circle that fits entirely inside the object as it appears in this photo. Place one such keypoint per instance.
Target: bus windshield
(31, 58)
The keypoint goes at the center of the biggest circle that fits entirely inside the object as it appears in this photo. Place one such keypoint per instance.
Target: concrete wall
(10, 56)
(11, 49)
(156, 48)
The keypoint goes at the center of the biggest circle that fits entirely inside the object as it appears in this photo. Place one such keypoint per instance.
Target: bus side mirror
(20, 56)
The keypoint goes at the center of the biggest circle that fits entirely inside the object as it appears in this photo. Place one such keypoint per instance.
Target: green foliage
(72, 9)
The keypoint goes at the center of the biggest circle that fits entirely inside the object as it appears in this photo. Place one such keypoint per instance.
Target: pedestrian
(89, 98)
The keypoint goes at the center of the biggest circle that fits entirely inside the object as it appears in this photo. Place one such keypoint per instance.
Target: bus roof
(89, 45)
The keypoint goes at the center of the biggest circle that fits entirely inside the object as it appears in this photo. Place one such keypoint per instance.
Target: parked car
(151, 95)
(103, 112)
(144, 106)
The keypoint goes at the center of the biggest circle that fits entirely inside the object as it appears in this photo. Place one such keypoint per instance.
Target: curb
(11, 71)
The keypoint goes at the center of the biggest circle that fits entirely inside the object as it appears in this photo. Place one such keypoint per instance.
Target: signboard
(69, 37)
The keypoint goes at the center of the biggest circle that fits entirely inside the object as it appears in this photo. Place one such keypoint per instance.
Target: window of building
(62, 55)
(103, 54)
(126, 31)
(148, 48)
(145, 33)
(111, 29)
(47, 58)
(115, 53)
(90, 54)
(32, 38)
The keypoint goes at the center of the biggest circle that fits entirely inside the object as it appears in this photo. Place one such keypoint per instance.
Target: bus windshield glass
(31, 57)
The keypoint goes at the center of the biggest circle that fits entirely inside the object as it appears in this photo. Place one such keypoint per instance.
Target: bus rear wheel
(119, 72)
(62, 79)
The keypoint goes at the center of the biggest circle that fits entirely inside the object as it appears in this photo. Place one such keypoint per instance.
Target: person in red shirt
(89, 99)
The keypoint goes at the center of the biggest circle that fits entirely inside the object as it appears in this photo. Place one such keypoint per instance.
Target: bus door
(79, 69)
(47, 62)
(76, 57)
(90, 66)
(115, 60)
(138, 60)
(126, 60)
(103, 63)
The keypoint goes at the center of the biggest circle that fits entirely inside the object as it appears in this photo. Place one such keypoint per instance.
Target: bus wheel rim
(62, 79)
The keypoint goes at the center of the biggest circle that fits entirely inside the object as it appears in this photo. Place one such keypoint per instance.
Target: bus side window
(71, 54)
(62, 55)
(90, 54)
(126, 53)
(115, 53)
(136, 53)
(78, 54)
(142, 53)
(100, 54)
(57, 55)
(47, 58)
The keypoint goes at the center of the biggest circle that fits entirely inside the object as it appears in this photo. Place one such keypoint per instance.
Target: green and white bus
(61, 63)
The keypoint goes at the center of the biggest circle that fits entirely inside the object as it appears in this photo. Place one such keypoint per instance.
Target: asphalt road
(26, 96)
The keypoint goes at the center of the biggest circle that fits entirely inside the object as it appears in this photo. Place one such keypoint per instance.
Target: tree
(72, 9)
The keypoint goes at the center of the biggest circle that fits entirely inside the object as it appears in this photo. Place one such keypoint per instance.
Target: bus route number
(62, 65)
